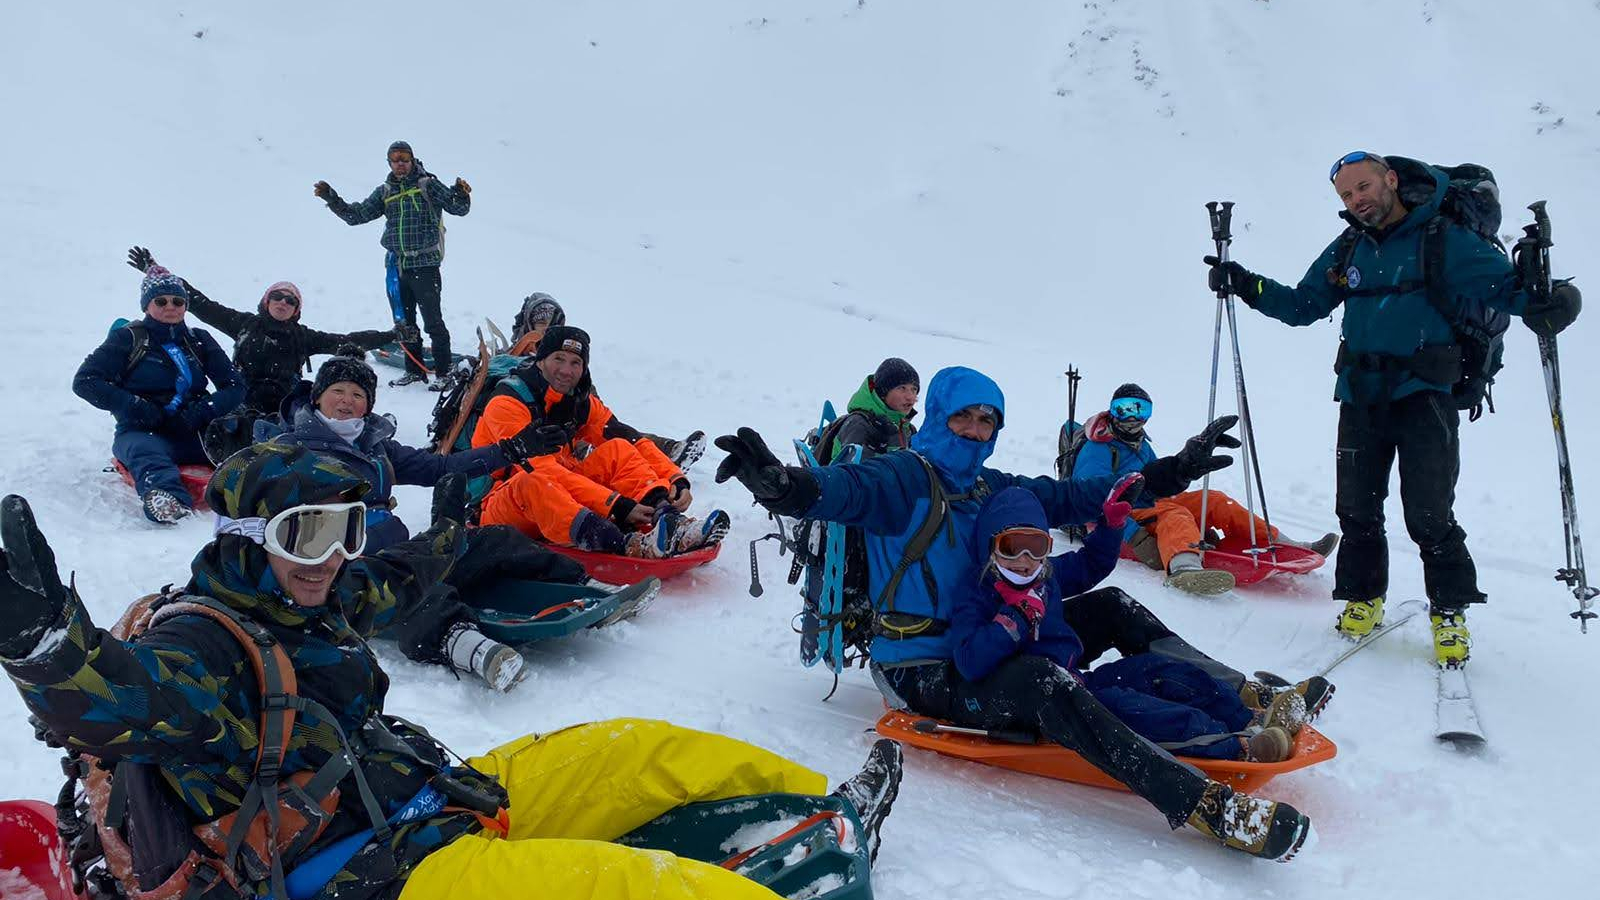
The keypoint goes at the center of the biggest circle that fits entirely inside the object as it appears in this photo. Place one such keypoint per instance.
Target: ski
(1397, 617)
(1457, 714)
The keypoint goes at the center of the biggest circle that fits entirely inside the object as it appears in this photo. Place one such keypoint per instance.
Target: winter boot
(408, 378)
(599, 534)
(1316, 691)
(704, 533)
(1186, 574)
(685, 453)
(1257, 827)
(1255, 695)
(1360, 617)
(1287, 711)
(1269, 745)
(471, 651)
(1322, 546)
(1452, 643)
(1145, 549)
(163, 508)
(663, 536)
(873, 789)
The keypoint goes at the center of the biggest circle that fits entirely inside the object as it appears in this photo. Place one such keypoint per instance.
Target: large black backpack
(1471, 200)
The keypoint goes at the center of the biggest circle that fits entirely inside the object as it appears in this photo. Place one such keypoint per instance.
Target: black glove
(140, 258)
(1171, 474)
(197, 415)
(143, 415)
(406, 333)
(1236, 279)
(786, 490)
(31, 593)
(450, 499)
(535, 440)
(1548, 316)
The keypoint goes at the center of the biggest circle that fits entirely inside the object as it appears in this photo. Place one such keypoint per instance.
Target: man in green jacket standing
(1398, 361)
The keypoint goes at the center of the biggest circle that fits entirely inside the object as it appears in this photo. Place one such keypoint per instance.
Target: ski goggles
(1125, 409)
(1015, 543)
(1355, 157)
(310, 534)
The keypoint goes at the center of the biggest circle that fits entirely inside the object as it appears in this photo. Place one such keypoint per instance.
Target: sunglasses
(1014, 543)
(284, 297)
(1125, 409)
(310, 534)
(1355, 157)
(164, 300)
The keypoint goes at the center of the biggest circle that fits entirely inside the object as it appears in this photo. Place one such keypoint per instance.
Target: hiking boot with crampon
(1452, 642)
(163, 508)
(1287, 711)
(1249, 824)
(408, 378)
(1359, 618)
(873, 789)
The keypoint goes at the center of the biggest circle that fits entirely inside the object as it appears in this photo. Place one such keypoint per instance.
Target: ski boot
(872, 790)
(1258, 827)
(408, 378)
(472, 652)
(1359, 618)
(1452, 642)
(163, 508)
(1186, 574)
(1269, 745)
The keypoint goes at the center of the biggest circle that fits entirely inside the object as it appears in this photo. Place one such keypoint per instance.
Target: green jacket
(871, 424)
(1397, 324)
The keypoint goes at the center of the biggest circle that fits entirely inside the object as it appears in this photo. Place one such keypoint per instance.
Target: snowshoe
(1258, 827)
(408, 378)
(1360, 617)
(872, 790)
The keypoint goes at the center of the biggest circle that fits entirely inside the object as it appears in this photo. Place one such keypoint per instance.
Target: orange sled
(613, 569)
(1054, 761)
(195, 478)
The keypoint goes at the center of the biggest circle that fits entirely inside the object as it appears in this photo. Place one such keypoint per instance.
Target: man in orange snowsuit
(1165, 533)
(609, 489)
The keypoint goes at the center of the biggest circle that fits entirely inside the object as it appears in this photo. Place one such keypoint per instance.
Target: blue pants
(154, 458)
(1167, 700)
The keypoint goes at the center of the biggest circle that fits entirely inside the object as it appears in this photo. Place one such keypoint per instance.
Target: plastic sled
(613, 569)
(195, 479)
(33, 862)
(521, 612)
(392, 356)
(796, 845)
(1052, 760)
(1233, 555)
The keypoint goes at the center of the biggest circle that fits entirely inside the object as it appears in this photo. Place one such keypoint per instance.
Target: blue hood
(1008, 509)
(952, 390)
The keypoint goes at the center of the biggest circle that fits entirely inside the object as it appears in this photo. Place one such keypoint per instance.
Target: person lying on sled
(250, 697)
(1164, 532)
(1013, 610)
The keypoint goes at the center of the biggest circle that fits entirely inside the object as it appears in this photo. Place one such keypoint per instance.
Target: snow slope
(749, 204)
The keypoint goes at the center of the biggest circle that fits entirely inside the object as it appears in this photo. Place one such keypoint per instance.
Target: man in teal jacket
(1397, 363)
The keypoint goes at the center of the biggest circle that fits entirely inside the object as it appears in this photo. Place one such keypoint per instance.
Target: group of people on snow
(975, 620)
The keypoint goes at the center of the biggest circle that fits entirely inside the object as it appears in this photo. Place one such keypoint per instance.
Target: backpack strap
(1433, 243)
(917, 547)
(141, 346)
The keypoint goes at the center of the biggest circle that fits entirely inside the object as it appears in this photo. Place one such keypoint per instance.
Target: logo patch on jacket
(1352, 277)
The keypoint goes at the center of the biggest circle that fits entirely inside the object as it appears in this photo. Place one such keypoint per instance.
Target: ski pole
(1221, 222)
(1073, 377)
(1573, 574)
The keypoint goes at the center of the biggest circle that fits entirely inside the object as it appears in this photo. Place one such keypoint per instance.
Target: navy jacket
(889, 497)
(145, 398)
(986, 632)
(377, 457)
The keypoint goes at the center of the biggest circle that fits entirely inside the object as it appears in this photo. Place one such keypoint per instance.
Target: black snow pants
(1110, 619)
(1422, 431)
(1032, 693)
(420, 290)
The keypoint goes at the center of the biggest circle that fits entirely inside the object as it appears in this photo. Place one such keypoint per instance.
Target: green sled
(521, 612)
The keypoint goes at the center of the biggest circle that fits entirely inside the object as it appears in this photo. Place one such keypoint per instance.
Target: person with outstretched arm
(1404, 268)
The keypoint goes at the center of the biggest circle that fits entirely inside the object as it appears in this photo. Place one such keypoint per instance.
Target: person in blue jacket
(151, 376)
(1014, 610)
(918, 562)
(333, 416)
(1399, 360)
(1165, 534)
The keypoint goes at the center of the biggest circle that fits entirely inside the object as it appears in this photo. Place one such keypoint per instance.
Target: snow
(749, 204)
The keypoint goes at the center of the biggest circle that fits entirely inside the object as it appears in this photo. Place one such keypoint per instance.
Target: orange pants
(545, 502)
(1176, 522)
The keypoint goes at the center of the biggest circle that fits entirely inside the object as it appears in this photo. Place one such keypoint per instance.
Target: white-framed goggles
(311, 533)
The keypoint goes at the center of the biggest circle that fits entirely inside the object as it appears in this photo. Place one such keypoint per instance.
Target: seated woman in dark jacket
(152, 375)
(270, 348)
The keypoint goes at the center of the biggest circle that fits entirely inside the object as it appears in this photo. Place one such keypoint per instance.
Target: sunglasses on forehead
(284, 297)
(1355, 157)
(164, 300)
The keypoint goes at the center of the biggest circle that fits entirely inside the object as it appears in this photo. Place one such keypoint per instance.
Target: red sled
(613, 569)
(1052, 760)
(1248, 567)
(33, 862)
(195, 479)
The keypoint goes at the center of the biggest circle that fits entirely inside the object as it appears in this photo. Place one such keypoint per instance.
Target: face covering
(348, 429)
(1017, 578)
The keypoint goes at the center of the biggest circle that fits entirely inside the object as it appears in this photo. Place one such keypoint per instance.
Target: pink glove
(1030, 604)
(1116, 510)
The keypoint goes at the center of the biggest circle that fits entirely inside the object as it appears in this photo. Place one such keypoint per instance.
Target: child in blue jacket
(1015, 608)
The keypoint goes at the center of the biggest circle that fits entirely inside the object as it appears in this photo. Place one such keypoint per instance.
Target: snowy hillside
(749, 204)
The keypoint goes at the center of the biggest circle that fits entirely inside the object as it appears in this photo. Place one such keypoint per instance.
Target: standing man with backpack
(412, 203)
(1426, 288)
